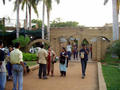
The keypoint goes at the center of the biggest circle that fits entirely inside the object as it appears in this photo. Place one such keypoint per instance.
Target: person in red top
(50, 61)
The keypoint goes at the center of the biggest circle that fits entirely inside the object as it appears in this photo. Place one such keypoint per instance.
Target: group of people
(46, 61)
(17, 66)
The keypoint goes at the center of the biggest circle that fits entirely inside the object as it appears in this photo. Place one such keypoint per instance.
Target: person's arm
(87, 51)
(21, 59)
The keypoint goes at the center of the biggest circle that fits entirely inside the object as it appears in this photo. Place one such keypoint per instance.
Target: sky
(86, 12)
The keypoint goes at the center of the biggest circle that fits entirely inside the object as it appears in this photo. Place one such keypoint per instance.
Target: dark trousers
(75, 55)
(42, 70)
(84, 65)
(9, 68)
(69, 55)
(63, 73)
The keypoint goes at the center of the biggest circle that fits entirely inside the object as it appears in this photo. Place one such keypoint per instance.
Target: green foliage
(85, 42)
(38, 22)
(110, 60)
(29, 57)
(59, 23)
(22, 40)
(115, 48)
(112, 77)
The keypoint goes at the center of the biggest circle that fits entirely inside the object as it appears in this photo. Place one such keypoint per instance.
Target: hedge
(29, 57)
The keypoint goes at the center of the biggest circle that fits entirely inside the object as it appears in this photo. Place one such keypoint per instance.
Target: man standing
(2, 68)
(16, 59)
(42, 60)
(84, 58)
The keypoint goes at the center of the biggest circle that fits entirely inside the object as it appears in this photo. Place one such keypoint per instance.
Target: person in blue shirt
(84, 58)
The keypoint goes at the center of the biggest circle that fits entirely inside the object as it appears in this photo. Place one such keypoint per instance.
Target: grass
(112, 77)
(111, 61)
(31, 63)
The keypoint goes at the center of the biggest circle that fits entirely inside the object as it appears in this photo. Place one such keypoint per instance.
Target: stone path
(72, 81)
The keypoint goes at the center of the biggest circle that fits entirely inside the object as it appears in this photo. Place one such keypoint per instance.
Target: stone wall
(98, 47)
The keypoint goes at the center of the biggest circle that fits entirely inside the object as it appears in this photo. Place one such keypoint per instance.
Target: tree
(23, 41)
(38, 22)
(16, 7)
(59, 23)
(48, 4)
(115, 48)
(115, 4)
(29, 4)
(4, 1)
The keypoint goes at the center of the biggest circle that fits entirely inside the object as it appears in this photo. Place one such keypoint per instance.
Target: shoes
(45, 78)
(83, 76)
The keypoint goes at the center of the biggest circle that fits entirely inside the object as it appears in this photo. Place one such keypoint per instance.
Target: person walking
(50, 61)
(2, 68)
(63, 62)
(42, 61)
(75, 52)
(84, 58)
(69, 51)
(16, 59)
(9, 66)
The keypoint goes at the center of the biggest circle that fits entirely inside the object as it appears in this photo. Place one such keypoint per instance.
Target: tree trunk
(26, 21)
(43, 15)
(115, 21)
(30, 17)
(17, 26)
(48, 24)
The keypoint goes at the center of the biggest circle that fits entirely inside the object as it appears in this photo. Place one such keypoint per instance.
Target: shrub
(23, 41)
(29, 57)
(115, 48)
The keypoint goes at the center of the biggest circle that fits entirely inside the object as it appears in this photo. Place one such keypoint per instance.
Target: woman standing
(63, 62)
(50, 61)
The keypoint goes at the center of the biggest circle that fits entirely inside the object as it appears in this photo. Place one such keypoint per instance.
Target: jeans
(42, 69)
(9, 68)
(17, 76)
(75, 55)
(2, 80)
(84, 65)
(69, 55)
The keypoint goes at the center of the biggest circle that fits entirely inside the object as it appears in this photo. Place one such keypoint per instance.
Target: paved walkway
(72, 81)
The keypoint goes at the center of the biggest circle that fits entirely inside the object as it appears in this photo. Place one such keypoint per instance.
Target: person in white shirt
(69, 51)
(42, 61)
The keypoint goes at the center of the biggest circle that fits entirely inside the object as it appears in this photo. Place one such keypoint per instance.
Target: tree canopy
(59, 23)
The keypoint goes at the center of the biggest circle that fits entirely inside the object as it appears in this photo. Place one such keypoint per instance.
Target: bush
(29, 57)
(23, 41)
(115, 48)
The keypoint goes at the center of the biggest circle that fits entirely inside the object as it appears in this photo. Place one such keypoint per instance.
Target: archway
(36, 41)
(99, 46)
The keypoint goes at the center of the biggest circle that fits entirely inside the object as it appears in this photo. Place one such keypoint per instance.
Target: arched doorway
(36, 41)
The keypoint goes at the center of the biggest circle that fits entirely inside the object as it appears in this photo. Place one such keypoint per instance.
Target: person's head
(42, 46)
(17, 45)
(1, 44)
(68, 43)
(10, 48)
(83, 46)
(49, 48)
(63, 49)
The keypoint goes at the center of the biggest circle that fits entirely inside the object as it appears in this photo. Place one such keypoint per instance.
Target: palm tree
(48, 4)
(29, 4)
(115, 4)
(16, 7)
(4, 1)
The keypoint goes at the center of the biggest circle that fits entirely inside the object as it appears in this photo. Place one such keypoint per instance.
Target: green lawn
(112, 77)
(31, 63)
